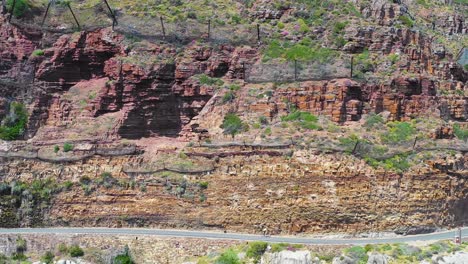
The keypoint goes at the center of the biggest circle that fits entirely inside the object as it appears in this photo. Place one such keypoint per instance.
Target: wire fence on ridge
(61, 19)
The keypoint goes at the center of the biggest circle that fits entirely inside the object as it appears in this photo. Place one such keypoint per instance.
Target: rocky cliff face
(307, 193)
(129, 108)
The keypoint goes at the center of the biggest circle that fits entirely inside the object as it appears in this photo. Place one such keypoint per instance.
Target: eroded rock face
(345, 100)
(77, 57)
(305, 194)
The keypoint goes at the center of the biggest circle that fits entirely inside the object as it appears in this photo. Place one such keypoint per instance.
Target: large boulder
(376, 258)
(457, 258)
(288, 257)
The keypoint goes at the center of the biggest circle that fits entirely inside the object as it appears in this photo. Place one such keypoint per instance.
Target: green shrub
(302, 51)
(348, 143)
(393, 58)
(398, 132)
(106, 180)
(373, 120)
(43, 189)
(48, 257)
(62, 248)
(20, 245)
(234, 87)
(357, 253)
(203, 185)
(67, 147)
(75, 251)
(466, 67)
(256, 250)
(37, 53)
(233, 125)
(368, 248)
(229, 97)
(263, 120)
(13, 126)
(56, 149)
(124, 258)
(228, 257)
(207, 80)
(67, 185)
(202, 198)
(338, 27)
(303, 119)
(398, 163)
(19, 256)
(386, 247)
(5, 189)
(85, 180)
(21, 7)
(406, 20)
(460, 133)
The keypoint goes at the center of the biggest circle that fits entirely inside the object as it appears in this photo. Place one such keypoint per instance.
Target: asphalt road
(234, 236)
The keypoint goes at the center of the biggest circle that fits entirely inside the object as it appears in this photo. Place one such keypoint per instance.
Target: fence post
(46, 13)
(114, 19)
(12, 11)
(295, 70)
(352, 67)
(34, 73)
(3, 10)
(258, 33)
(209, 28)
(355, 147)
(162, 26)
(74, 17)
(243, 71)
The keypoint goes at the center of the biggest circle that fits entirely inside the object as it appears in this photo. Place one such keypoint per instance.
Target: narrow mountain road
(234, 236)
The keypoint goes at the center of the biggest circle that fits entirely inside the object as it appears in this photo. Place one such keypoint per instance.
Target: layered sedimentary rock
(346, 100)
(308, 193)
(98, 87)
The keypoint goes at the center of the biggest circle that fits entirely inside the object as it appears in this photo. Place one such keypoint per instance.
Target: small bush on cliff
(21, 7)
(67, 147)
(373, 120)
(357, 253)
(278, 247)
(256, 250)
(406, 20)
(13, 126)
(37, 53)
(205, 79)
(124, 258)
(233, 125)
(303, 119)
(229, 97)
(62, 248)
(20, 245)
(75, 251)
(398, 132)
(228, 257)
(48, 257)
(460, 133)
(203, 184)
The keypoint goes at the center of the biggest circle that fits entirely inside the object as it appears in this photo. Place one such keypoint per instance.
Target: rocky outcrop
(77, 57)
(376, 258)
(345, 100)
(289, 257)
